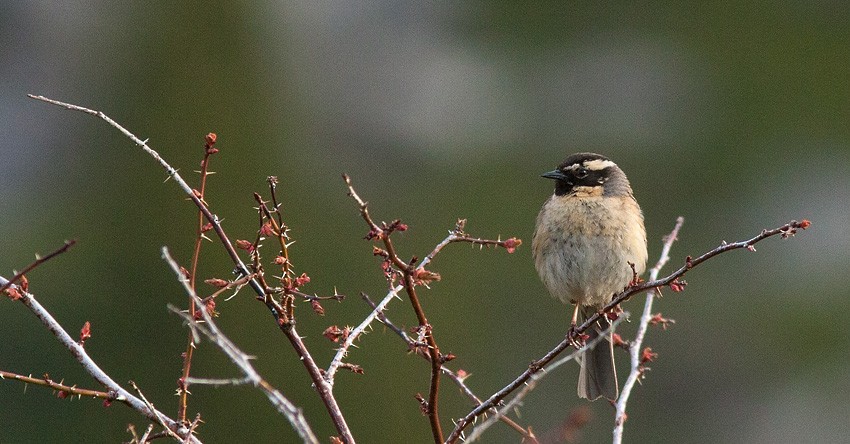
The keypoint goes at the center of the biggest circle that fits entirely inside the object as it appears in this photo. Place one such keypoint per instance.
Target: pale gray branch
(95, 371)
(635, 346)
(243, 361)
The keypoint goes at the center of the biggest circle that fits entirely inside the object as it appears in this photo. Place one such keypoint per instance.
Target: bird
(589, 243)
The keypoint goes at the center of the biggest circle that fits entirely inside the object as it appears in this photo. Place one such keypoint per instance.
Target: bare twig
(635, 346)
(145, 435)
(533, 381)
(410, 288)
(94, 370)
(785, 231)
(64, 390)
(214, 382)
(209, 329)
(159, 417)
(409, 271)
(458, 379)
(172, 173)
(38, 261)
(183, 382)
(356, 332)
(456, 235)
(322, 387)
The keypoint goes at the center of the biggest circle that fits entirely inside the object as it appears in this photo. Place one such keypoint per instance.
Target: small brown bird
(587, 235)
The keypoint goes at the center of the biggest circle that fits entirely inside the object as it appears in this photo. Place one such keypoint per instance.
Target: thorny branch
(63, 390)
(118, 393)
(408, 271)
(38, 261)
(672, 280)
(636, 364)
(532, 382)
(459, 377)
(411, 276)
(209, 329)
(183, 382)
(322, 387)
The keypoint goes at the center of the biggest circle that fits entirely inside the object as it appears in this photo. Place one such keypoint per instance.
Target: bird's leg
(573, 336)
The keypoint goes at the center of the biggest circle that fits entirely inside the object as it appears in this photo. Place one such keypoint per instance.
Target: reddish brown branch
(183, 387)
(457, 377)
(64, 390)
(39, 260)
(786, 230)
(278, 311)
(408, 273)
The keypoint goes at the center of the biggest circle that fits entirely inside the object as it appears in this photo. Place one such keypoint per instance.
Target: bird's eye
(581, 173)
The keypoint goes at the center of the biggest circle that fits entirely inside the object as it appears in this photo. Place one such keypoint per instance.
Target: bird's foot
(576, 338)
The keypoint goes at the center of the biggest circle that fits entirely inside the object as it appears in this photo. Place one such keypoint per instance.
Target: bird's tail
(598, 375)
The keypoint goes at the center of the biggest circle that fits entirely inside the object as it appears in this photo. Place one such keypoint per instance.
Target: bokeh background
(733, 115)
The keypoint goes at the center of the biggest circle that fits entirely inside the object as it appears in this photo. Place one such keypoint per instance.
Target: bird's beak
(554, 174)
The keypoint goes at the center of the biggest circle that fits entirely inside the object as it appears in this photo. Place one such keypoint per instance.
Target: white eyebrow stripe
(599, 164)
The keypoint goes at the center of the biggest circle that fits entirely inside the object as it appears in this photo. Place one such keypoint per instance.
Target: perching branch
(532, 383)
(785, 231)
(459, 377)
(672, 280)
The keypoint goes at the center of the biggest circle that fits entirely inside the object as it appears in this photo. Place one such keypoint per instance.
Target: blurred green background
(733, 115)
